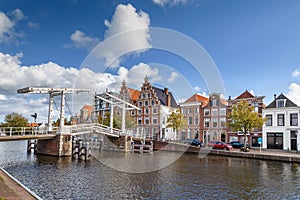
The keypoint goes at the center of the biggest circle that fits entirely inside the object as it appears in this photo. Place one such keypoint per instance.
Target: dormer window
(280, 103)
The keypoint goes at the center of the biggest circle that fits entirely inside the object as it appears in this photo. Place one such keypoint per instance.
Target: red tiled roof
(245, 95)
(134, 94)
(197, 98)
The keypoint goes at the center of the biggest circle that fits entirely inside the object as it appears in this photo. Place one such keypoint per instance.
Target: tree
(15, 120)
(243, 118)
(129, 121)
(176, 121)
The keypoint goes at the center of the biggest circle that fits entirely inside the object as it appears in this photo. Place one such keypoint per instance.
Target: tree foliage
(117, 123)
(15, 120)
(176, 121)
(244, 118)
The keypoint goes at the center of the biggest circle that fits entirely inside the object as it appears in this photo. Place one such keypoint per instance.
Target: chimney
(168, 102)
(274, 96)
(229, 98)
(166, 91)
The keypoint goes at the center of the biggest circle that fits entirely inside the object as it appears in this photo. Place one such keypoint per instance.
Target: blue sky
(254, 44)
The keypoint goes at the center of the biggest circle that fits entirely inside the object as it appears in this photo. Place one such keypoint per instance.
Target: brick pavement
(10, 190)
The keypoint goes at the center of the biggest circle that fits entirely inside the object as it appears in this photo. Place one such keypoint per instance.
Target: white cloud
(163, 3)
(127, 18)
(296, 73)
(8, 24)
(18, 14)
(80, 40)
(172, 77)
(14, 76)
(294, 93)
(197, 89)
(135, 76)
(33, 25)
(6, 27)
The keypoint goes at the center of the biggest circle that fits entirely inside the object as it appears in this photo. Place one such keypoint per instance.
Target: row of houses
(207, 116)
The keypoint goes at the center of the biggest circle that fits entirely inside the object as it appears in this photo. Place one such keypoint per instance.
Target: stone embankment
(275, 155)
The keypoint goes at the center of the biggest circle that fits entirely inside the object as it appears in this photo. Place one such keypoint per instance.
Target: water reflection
(189, 177)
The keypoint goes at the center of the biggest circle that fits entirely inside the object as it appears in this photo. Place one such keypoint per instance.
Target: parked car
(237, 144)
(197, 143)
(193, 142)
(219, 145)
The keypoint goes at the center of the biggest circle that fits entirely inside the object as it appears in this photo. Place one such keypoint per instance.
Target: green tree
(244, 118)
(104, 120)
(129, 121)
(176, 121)
(15, 120)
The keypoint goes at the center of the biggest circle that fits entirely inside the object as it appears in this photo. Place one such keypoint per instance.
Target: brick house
(193, 113)
(253, 135)
(214, 119)
(155, 105)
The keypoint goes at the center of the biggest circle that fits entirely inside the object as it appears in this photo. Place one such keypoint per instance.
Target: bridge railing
(94, 127)
(15, 131)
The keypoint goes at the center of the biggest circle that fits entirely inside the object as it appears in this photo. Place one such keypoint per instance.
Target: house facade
(253, 135)
(155, 106)
(192, 111)
(282, 127)
(214, 119)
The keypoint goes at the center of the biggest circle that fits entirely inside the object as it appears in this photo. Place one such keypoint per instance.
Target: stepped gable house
(193, 113)
(214, 119)
(257, 102)
(281, 130)
(155, 106)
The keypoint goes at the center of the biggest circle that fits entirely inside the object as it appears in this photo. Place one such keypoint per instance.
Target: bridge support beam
(61, 145)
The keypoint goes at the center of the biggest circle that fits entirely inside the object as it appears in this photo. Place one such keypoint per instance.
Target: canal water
(189, 177)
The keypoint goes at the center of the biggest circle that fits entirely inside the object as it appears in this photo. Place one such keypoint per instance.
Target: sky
(189, 46)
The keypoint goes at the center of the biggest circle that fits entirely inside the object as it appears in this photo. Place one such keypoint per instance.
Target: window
(149, 95)
(197, 109)
(223, 111)
(206, 123)
(294, 119)
(190, 120)
(206, 112)
(146, 111)
(214, 102)
(152, 102)
(140, 104)
(155, 120)
(215, 122)
(144, 96)
(269, 120)
(132, 112)
(189, 110)
(196, 120)
(223, 122)
(255, 105)
(182, 111)
(280, 103)
(154, 110)
(140, 112)
(280, 120)
(214, 112)
(147, 121)
(146, 103)
(139, 120)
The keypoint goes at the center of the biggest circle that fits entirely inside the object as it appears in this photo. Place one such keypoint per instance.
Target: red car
(219, 145)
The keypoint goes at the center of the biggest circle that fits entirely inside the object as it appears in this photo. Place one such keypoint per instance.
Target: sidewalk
(11, 190)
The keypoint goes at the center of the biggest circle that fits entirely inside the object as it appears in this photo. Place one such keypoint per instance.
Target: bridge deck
(27, 137)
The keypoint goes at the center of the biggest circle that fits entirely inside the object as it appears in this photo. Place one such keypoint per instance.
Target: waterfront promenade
(264, 154)
(11, 190)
